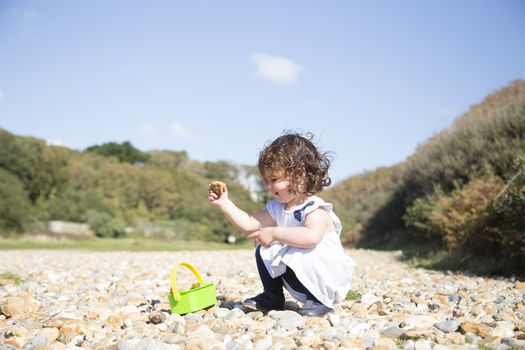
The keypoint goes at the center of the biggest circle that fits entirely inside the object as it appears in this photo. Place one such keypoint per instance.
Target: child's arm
(238, 217)
(315, 226)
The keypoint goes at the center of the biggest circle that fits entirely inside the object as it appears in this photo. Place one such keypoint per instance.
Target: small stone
(408, 345)
(203, 331)
(392, 332)
(38, 340)
(115, 321)
(17, 342)
(283, 341)
(519, 285)
(458, 313)
(6, 281)
(423, 344)
(233, 314)
(418, 321)
(50, 333)
(173, 338)
(156, 317)
(328, 345)
(255, 315)
(478, 329)
(352, 343)
(19, 306)
(503, 330)
(385, 343)
(263, 343)
(71, 329)
(287, 319)
(447, 326)
(334, 318)
(514, 343)
(137, 301)
(359, 309)
(220, 312)
(455, 338)
(417, 333)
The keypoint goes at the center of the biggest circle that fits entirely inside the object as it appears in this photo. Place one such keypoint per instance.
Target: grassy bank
(424, 254)
(120, 244)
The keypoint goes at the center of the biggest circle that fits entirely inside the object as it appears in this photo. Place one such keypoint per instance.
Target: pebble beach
(70, 299)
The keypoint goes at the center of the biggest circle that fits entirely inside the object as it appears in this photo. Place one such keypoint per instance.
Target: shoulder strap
(320, 203)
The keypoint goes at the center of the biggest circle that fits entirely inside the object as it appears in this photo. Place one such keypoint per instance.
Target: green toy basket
(193, 299)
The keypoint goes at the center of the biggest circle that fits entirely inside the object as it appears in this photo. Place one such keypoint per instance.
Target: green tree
(221, 170)
(15, 208)
(104, 225)
(124, 152)
(41, 168)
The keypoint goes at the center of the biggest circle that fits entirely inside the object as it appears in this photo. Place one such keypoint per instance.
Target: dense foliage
(113, 187)
(464, 189)
(124, 152)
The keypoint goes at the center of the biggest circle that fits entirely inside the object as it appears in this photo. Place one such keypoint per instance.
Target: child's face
(278, 184)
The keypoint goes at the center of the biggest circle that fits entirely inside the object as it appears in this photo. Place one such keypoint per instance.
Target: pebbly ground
(117, 300)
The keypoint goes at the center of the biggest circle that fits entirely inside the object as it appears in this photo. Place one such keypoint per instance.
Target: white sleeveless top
(325, 270)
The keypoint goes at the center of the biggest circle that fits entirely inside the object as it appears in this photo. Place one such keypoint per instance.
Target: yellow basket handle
(174, 290)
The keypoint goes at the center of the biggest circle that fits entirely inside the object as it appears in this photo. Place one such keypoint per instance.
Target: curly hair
(297, 156)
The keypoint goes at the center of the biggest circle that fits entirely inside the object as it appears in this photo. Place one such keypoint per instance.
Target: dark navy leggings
(275, 285)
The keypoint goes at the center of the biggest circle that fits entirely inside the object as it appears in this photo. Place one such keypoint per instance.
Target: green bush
(15, 207)
(220, 170)
(462, 216)
(419, 217)
(71, 205)
(509, 220)
(40, 168)
(104, 225)
(124, 152)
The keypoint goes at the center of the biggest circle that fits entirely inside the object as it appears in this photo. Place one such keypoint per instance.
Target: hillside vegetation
(111, 187)
(463, 191)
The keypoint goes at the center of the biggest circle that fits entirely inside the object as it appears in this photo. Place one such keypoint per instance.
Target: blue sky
(371, 79)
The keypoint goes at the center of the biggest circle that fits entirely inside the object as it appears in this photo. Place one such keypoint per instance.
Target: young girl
(298, 233)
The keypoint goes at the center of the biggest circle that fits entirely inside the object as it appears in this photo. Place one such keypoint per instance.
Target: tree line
(111, 187)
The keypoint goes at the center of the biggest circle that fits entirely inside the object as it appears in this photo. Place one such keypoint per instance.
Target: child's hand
(265, 236)
(217, 200)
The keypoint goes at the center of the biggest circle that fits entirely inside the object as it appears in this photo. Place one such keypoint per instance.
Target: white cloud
(179, 131)
(276, 68)
(146, 128)
(1, 96)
